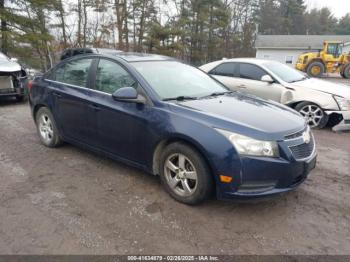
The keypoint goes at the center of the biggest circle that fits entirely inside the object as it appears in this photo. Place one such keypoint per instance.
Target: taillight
(30, 85)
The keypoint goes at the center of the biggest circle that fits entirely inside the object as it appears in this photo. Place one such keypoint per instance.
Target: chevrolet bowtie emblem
(306, 137)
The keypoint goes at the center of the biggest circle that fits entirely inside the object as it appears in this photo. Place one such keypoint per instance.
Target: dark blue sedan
(175, 121)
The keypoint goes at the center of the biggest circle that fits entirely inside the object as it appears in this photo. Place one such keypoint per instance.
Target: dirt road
(69, 201)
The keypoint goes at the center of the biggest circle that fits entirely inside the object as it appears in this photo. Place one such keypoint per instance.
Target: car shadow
(150, 187)
(10, 101)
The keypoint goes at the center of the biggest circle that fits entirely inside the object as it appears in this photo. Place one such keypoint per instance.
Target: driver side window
(110, 76)
(251, 72)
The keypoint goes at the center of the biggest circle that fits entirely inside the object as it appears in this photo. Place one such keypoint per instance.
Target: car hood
(9, 66)
(324, 86)
(252, 116)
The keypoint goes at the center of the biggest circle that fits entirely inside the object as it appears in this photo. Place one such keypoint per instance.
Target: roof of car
(212, 65)
(246, 60)
(127, 56)
(139, 57)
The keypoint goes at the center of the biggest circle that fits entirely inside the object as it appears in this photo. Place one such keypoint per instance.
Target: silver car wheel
(46, 128)
(181, 175)
(312, 114)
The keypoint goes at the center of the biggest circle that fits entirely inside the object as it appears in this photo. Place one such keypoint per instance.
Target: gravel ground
(69, 201)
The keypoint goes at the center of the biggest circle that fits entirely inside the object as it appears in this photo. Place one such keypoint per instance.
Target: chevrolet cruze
(173, 120)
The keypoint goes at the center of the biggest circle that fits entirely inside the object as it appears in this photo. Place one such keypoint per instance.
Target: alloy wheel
(312, 114)
(181, 175)
(46, 128)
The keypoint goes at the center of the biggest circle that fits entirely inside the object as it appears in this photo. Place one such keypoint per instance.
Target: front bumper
(262, 177)
(18, 88)
(344, 125)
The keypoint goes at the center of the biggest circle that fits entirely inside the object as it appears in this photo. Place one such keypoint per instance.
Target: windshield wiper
(180, 98)
(218, 94)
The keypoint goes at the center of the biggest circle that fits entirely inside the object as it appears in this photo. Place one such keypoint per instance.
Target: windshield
(171, 79)
(284, 72)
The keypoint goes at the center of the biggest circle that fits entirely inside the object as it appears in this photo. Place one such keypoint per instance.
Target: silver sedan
(317, 100)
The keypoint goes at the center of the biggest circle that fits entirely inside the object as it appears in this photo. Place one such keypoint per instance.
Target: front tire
(342, 74)
(185, 175)
(313, 114)
(346, 72)
(47, 129)
(316, 69)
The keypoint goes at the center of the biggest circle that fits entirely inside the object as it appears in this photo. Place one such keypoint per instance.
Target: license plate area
(6, 82)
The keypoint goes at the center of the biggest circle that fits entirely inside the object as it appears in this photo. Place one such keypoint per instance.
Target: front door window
(111, 76)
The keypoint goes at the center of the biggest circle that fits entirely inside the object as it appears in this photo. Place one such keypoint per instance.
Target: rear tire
(346, 72)
(313, 114)
(185, 175)
(47, 129)
(316, 69)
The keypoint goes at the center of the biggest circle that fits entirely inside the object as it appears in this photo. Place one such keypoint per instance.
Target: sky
(338, 7)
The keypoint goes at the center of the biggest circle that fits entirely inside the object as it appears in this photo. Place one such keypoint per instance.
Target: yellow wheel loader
(329, 60)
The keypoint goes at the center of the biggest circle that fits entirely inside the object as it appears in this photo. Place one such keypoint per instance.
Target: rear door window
(225, 69)
(74, 73)
(111, 76)
(252, 72)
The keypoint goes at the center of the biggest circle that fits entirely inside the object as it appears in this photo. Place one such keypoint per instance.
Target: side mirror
(128, 94)
(14, 59)
(267, 79)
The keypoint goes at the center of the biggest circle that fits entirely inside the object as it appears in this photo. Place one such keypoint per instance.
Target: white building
(287, 48)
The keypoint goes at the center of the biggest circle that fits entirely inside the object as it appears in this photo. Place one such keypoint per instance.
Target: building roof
(297, 41)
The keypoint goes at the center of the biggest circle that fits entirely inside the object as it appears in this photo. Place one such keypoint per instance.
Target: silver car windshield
(284, 72)
(171, 79)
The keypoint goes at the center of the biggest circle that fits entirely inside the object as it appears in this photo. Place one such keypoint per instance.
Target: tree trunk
(79, 23)
(210, 42)
(63, 24)
(142, 24)
(119, 7)
(85, 22)
(4, 40)
(126, 29)
(134, 25)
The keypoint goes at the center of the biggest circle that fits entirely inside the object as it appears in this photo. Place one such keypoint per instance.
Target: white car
(317, 100)
(12, 78)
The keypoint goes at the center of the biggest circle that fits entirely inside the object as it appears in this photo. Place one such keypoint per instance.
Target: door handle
(95, 107)
(242, 86)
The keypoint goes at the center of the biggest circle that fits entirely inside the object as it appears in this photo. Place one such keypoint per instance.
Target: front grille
(304, 150)
(295, 135)
(346, 122)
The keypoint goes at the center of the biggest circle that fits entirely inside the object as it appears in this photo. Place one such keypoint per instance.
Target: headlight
(343, 103)
(251, 147)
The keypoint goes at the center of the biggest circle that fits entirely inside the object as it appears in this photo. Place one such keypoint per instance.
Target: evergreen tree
(343, 27)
